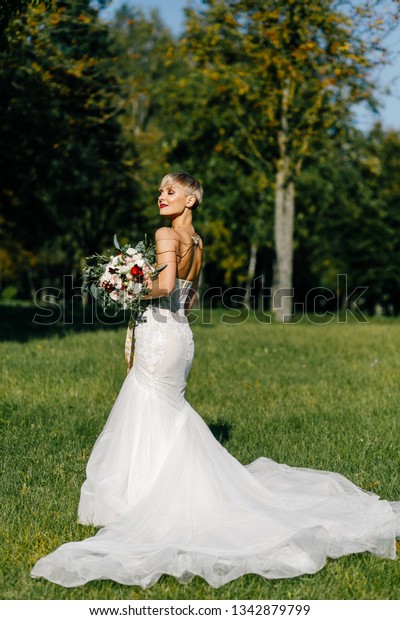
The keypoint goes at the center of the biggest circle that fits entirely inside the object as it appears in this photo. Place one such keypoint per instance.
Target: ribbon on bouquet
(130, 346)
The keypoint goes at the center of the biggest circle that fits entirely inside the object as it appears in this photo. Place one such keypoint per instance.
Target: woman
(118, 471)
(170, 498)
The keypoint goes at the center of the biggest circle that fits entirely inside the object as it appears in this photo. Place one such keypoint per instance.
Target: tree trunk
(251, 272)
(282, 288)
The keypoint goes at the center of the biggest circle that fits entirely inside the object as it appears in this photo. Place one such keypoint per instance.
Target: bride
(168, 497)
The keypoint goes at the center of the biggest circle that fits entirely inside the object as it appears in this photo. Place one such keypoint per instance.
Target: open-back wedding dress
(171, 500)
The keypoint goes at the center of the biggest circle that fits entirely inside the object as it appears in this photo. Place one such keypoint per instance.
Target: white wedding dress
(173, 501)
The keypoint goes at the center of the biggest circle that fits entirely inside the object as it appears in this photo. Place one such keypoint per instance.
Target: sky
(387, 77)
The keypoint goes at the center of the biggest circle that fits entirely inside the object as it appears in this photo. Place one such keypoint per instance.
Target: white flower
(132, 253)
(137, 287)
(106, 277)
(148, 268)
(114, 295)
(115, 261)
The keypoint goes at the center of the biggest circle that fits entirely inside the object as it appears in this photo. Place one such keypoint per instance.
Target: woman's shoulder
(178, 236)
(166, 233)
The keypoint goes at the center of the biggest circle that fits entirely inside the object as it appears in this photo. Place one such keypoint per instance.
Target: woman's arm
(166, 250)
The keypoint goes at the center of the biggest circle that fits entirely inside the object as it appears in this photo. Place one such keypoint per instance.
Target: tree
(146, 63)
(67, 183)
(348, 218)
(9, 9)
(289, 71)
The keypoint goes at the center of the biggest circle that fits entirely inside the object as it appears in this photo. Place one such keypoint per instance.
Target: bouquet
(122, 280)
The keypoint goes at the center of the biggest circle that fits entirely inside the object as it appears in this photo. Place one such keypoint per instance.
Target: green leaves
(65, 182)
(93, 115)
(116, 244)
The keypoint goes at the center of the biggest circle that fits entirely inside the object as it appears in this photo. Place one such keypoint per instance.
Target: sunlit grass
(322, 396)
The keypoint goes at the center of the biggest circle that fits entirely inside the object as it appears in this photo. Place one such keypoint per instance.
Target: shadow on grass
(23, 322)
(221, 431)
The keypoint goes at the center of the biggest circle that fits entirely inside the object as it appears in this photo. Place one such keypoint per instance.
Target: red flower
(136, 272)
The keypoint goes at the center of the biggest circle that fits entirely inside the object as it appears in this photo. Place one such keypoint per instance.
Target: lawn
(321, 396)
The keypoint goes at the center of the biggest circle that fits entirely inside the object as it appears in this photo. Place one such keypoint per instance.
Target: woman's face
(172, 200)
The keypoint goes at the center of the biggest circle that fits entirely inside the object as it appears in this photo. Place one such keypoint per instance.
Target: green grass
(320, 396)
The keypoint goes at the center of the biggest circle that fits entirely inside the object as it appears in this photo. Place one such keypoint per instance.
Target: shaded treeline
(255, 102)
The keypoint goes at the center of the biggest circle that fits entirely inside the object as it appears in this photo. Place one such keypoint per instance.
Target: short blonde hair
(190, 185)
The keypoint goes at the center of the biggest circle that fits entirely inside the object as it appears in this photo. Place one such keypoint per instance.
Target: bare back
(181, 251)
(189, 256)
